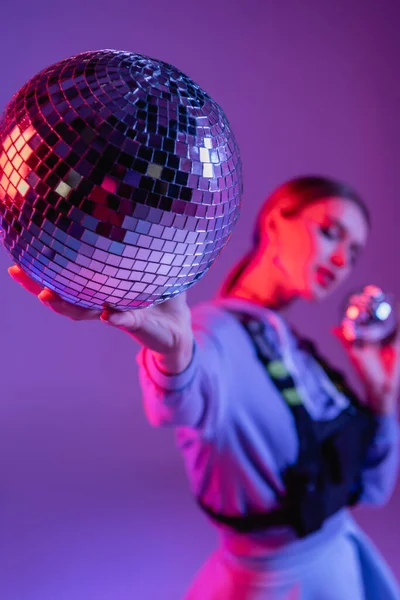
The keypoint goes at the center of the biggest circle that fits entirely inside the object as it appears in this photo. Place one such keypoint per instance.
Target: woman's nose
(338, 259)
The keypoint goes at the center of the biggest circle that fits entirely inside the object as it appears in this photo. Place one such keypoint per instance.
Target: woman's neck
(260, 281)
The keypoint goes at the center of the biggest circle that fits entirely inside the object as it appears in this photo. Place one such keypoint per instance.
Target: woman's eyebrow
(339, 223)
(336, 222)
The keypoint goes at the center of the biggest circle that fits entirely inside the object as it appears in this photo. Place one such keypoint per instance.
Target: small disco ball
(369, 316)
(120, 180)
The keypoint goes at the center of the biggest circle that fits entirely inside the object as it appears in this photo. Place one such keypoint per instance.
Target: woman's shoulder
(213, 316)
(228, 321)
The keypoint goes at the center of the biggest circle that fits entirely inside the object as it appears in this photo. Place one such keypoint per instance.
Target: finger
(337, 332)
(366, 353)
(66, 309)
(144, 326)
(18, 275)
(46, 295)
(389, 358)
(368, 363)
(132, 320)
(346, 338)
(128, 320)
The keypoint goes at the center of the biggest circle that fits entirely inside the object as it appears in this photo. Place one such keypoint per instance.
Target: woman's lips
(325, 277)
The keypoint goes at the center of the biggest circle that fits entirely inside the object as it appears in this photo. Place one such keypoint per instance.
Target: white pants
(331, 573)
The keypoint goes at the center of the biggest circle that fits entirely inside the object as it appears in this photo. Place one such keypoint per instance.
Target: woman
(276, 445)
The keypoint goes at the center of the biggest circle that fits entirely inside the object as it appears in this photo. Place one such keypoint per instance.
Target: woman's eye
(330, 231)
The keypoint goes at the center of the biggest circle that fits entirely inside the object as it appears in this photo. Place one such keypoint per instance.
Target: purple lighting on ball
(120, 180)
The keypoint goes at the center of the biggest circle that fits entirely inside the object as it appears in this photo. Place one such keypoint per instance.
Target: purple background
(93, 501)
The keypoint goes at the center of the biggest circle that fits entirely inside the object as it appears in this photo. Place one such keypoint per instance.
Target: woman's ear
(272, 226)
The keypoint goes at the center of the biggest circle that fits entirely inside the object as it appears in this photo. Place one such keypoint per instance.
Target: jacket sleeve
(381, 467)
(194, 397)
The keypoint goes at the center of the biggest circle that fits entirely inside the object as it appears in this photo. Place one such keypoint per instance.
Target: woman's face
(317, 248)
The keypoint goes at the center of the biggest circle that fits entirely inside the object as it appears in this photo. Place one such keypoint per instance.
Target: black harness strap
(326, 475)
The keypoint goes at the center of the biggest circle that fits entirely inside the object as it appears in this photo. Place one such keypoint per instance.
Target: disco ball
(369, 316)
(120, 180)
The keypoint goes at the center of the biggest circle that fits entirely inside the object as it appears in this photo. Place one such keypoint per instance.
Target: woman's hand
(378, 366)
(165, 328)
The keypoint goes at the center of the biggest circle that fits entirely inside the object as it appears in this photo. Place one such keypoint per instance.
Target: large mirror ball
(120, 180)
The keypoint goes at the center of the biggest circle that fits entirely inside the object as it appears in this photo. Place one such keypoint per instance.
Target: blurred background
(94, 503)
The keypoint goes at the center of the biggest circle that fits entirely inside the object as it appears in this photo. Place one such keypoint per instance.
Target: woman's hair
(294, 195)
